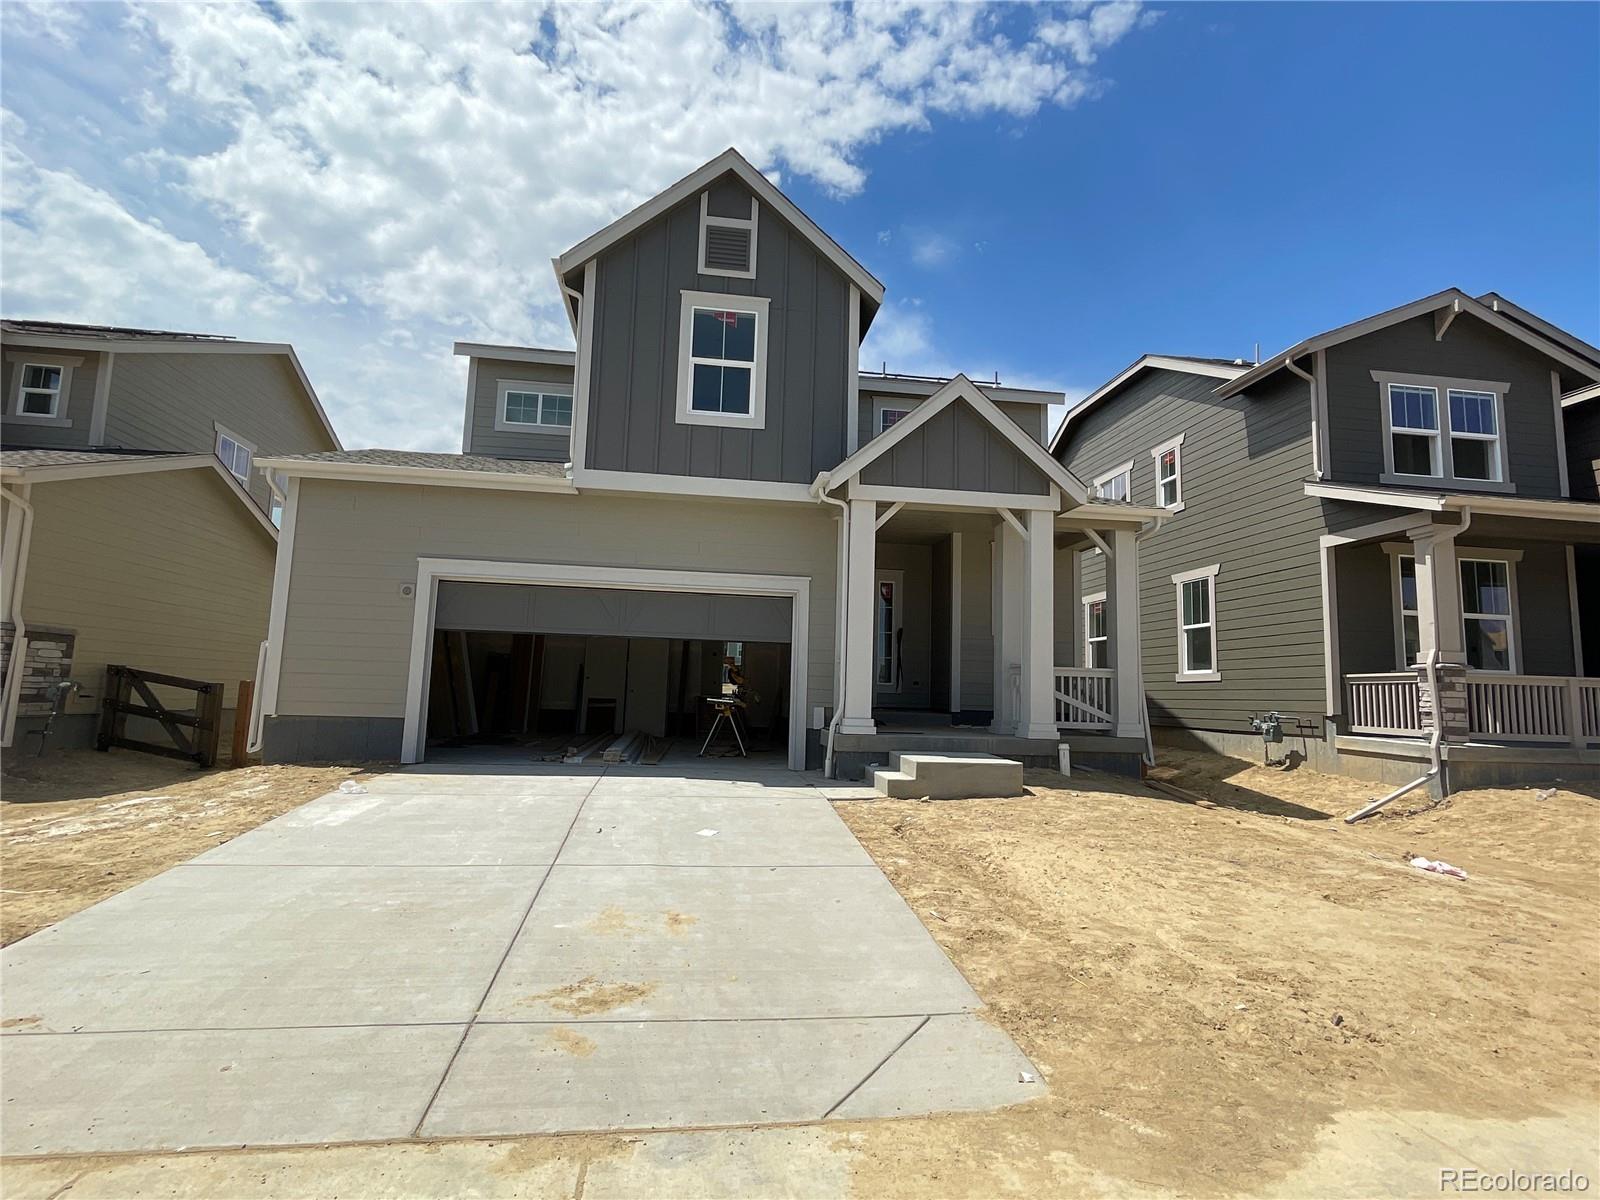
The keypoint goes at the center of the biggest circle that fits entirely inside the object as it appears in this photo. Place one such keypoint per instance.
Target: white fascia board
(527, 354)
(1449, 297)
(1148, 362)
(960, 388)
(1585, 511)
(692, 486)
(728, 160)
(1125, 514)
(438, 476)
(1388, 497)
(180, 346)
(1580, 395)
(244, 498)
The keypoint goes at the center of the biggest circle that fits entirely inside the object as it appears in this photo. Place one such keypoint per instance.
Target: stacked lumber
(625, 748)
(585, 747)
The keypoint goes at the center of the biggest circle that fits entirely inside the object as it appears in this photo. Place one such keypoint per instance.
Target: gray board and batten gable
(1245, 460)
(957, 448)
(633, 366)
(487, 433)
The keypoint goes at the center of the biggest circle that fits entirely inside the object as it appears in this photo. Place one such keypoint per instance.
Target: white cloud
(932, 249)
(375, 180)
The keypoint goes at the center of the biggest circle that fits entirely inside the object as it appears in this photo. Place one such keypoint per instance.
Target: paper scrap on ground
(707, 833)
(1438, 868)
(351, 788)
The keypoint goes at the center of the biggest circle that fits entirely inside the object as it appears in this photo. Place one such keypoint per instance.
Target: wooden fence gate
(124, 683)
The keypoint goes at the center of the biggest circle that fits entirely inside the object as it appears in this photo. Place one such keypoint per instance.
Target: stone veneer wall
(49, 659)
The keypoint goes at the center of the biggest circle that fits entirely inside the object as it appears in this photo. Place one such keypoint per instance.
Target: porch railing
(1085, 698)
(1500, 708)
(1383, 704)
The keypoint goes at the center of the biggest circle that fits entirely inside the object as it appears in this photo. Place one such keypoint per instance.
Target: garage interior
(549, 671)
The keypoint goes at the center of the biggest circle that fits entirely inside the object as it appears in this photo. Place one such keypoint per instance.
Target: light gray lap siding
(632, 423)
(1244, 465)
(490, 373)
(957, 449)
(1470, 350)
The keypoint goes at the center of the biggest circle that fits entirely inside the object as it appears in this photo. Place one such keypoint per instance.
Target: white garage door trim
(430, 571)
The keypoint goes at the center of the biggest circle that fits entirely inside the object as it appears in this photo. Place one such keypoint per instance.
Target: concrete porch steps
(948, 776)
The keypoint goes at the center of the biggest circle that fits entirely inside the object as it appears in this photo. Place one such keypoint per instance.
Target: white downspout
(17, 667)
(819, 490)
(1316, 440)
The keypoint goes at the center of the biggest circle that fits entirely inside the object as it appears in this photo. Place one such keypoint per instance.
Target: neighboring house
(709, 479)
(136, 529)
(1416, 488)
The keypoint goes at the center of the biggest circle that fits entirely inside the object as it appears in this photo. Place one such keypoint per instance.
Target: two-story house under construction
(709, 482)
(1389, 535)
(136, 529)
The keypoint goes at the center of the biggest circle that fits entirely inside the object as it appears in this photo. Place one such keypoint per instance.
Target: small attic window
(727, 244)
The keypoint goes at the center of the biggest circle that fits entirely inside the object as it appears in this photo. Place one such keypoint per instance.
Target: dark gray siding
(1544, 616)
(957, 449)
(1364, 576)
(485, 400)
(633, 399)
(1244, 463)
(1583, 450)
(1470, 350)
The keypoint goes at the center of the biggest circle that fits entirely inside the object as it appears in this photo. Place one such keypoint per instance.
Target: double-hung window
(1196, 593)
(1452, 430)
(1414, 429)
(534, 406)
(1474, 435)
(1116, 484)
(1096, 642)
(1486, 613)
(722, 360)
(39, 390)
(1169, 474)
(235, 453)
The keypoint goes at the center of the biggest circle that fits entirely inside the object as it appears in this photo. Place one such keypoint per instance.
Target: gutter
(1316, 440)
(17, 667)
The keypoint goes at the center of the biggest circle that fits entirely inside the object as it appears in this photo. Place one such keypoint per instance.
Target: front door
(889, 632)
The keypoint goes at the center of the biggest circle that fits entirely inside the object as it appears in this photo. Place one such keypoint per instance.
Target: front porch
(1466, 632)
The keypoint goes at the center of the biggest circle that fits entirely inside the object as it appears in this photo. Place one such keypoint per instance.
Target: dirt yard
(1206, 987)
(77, 826)
(1244, 997)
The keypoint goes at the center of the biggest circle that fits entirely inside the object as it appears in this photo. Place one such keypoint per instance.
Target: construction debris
(625, 748)
(586, 746)
(1438, 867)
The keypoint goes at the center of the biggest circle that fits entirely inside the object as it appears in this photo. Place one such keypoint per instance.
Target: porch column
(1439, 626)
(1122, 587)
(1438, 594)
(1038, 716)
(860, 597)
(1008, 630)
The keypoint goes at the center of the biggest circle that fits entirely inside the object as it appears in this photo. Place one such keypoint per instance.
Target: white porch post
(860, 594)
(1038, 716)
(1439, 595)
(1122, 584)
(1008, 634)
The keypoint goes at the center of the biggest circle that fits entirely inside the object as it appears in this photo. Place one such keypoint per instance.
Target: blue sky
(1047, 192)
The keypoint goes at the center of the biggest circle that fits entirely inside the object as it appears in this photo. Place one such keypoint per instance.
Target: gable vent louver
(727, 244)
(727, 248)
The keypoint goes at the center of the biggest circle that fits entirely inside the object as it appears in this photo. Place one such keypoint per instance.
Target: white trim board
(430, 571)
(1147, 362)
(1586, 511)
(527, 354)
(437, 476)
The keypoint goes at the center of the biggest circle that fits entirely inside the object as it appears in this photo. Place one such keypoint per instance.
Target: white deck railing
(1085, 698)
(1500, 708)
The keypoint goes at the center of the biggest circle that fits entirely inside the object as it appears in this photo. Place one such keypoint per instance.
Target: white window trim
(222, 431)
(1088, 656)
(1178, 580)
(1398, 550)
(881, 405)
(1443, 458)
(1496, 441)
(757, 418)
(898, 580)
(503, 424)
(1176, 446)
(57, 417)
(750, 223)
(1125, 469)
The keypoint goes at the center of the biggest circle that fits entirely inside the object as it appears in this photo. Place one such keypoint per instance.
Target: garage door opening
(556, 671)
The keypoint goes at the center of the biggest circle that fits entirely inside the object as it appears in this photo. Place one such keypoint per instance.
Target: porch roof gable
(959, 390)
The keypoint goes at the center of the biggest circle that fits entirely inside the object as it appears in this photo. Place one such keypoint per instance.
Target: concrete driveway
(460, 951)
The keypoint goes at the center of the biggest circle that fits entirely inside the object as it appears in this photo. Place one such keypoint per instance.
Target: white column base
(857, 725)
